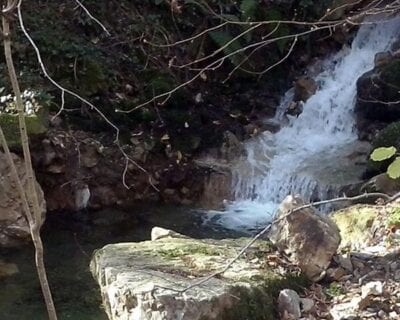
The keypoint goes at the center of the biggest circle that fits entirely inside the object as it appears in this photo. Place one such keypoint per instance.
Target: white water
(311, 155)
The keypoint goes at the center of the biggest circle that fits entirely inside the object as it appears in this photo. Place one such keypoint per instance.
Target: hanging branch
(64, 90)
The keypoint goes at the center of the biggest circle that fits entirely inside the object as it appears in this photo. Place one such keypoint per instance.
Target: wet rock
(294, 108)
(140, 281)
(79, 158)
(7, 269)
(217, 189)
(304, 88)
(377, 97)
(90, 156)
(14, 229)
(344, 261)
(289, 304)
(382, 58)
(231, 148)
(381, 183)
(309, 238)
(171, 196)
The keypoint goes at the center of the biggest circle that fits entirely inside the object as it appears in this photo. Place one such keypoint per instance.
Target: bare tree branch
(85, 101)
(93, 18)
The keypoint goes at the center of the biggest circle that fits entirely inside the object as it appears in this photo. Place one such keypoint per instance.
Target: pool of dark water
(69, 240)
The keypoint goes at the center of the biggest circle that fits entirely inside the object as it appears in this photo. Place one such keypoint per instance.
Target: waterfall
(311, 154)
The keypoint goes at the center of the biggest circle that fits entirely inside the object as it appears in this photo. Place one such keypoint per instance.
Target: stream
(69, 241)
(313, 154)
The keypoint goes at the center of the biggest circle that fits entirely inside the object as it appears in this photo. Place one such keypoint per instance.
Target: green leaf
(380, 154)
(394, 169)
(248, 9)
(221, 38)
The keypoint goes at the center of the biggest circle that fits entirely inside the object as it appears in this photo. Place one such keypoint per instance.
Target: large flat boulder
(141, 281)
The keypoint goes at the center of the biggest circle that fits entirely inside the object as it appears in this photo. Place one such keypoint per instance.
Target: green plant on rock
(334, 290)
(385, 153)
(394, 218)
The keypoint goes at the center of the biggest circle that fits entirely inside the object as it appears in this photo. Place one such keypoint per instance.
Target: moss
(10, 125)
(354, 223)
(191, 249)
(394, 218)
(259, 303)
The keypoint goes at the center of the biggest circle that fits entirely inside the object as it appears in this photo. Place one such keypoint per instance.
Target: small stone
(345, 310)
(393, 315)
(394, 266)
(336, 273)
(289, 303)
(345, 262)
(306, 304)
(357, 264)
(160, 233)
(374, 288)
(382, 314)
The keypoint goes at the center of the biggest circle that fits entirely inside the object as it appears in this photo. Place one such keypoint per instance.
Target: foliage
(394, 218)
(393, 224)
(248, 9)
(381, 154)
(334, 290)
(35, 108)
(129, 67)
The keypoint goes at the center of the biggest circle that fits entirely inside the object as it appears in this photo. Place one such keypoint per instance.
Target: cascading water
(312, 154)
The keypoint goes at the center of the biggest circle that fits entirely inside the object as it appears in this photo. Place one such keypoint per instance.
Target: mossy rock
(247, 290)
(391, 75)
(354, 224)
(10, 125)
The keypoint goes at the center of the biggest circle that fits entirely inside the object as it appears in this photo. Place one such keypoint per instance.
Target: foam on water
(310, 155)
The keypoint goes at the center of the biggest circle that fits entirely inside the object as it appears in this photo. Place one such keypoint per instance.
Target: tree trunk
(29, 197)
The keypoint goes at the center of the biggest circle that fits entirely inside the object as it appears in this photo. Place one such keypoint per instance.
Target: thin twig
(93, 18)
(77, 96)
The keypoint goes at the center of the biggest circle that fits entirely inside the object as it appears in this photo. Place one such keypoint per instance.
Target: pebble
(345, 262)
(382, 314)
(306, 304)
(289, 303)
(374, 288)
